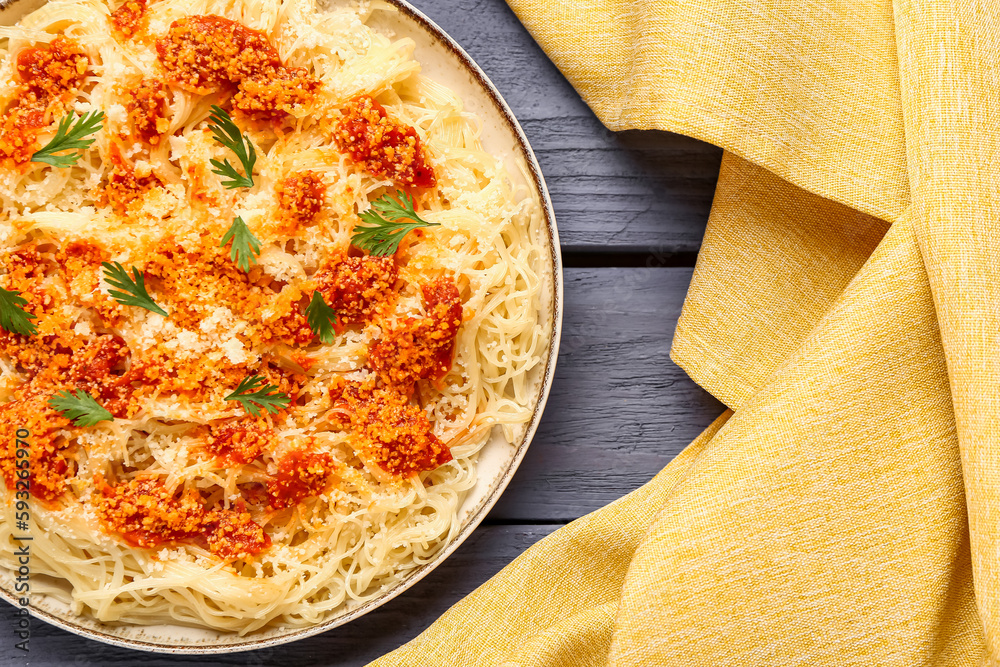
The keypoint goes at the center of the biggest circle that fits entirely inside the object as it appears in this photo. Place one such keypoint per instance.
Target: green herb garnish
(131, 291)
(80, 407)
(382, 231)
(245, 246)
(225, 131)
(69, 136)
(321, 318)
(13, 317)
(254, 394)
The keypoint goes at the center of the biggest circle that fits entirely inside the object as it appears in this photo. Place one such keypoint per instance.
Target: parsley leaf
(254, 394)
(225, 131)
(245, 246)
(382, 231)
(321, 318)
(70, 135)
(131, 290)
(81, 407)
(13, 317)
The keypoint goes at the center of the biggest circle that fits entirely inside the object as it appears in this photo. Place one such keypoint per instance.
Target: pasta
(178, 504)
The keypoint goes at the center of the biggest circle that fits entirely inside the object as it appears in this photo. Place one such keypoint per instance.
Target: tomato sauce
(233, 535)
(53, 70)
(383, 146)
(391, 432)
(128, 19)
(444, 306)
(98, 360)
(204, 54)
(300, 199)
(125, 187)
(358, 288)
(47, 464)
(147, 514)
(104, 368)
(301, 474)
(240, 441)
(147, 109)
(49, 75)
(421, 348)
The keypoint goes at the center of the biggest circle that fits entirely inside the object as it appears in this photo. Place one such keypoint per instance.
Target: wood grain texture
(621, 191)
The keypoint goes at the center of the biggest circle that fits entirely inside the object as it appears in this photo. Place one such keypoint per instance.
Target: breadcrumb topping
(128, 19)
(359, 288)
(50, 75)
(125, 187)
(301, 473)
(276, 91)
(389, 431)
(421, 348)
(300, 200)
(147, 514)
(147, 110)
(49, 464)
(58, 358)
(382, 145)
(53, 70)
(204, 54)
(191, 284)
(234, 535)
(223, 323)
(240, 441)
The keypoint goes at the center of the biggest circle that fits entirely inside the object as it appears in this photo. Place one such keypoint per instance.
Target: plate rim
(479, 514)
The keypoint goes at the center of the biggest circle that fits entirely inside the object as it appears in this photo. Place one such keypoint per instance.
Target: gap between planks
(627, 257)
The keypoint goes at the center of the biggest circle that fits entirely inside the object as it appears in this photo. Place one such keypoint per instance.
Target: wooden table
(631, 209)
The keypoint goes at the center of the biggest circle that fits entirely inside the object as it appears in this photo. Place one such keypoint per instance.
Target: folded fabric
(844, 307)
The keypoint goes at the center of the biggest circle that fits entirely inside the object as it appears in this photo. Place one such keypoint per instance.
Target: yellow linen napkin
(825, 521)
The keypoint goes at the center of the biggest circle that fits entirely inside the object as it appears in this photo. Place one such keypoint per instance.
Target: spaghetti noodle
(185, 507)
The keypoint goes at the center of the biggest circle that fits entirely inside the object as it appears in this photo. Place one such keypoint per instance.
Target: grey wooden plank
(486, 552)
(619, 410)
(613, 191)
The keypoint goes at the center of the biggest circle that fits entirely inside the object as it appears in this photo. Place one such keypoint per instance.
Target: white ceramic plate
(443, 60)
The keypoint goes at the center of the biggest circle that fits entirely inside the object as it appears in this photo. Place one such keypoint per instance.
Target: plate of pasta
(280, 298)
